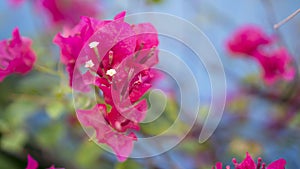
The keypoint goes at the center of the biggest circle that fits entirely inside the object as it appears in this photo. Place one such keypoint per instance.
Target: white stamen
(111, 72)
(110, 56)
(89, 64)
(93, 44)
(140, 78)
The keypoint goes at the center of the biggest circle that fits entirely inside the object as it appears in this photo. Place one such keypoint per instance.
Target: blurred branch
(276, 26)
(46, 70)
(294, 86)
(255, 90)
(35, 98)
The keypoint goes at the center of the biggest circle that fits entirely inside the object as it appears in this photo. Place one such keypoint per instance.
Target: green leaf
(88, 153)
(55, 109)
(128, 164)
(165, 121)
(18, 111)
(14, 141)
(295, 122)
(4, 128)
(50, 135)
(38, 83)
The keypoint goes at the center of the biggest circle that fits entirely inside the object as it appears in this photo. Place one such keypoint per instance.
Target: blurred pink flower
(33, 164)
(248, 163)
(247, 39)
(16, 55)
(16, 2)
(68, 12)
(275, 65)
(253, 42)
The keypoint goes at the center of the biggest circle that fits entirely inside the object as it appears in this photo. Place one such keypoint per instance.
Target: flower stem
(47, 70)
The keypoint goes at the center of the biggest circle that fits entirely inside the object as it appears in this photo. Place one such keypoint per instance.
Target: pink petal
(248, 163)
(121, 144)
(119, 38)
(71, 44)
(120, 16)
(138, 91)
(278, 164)
(218, 166)
(120, 121)
(246, 40)
(52, 167)
(147, 36)
(32, 164)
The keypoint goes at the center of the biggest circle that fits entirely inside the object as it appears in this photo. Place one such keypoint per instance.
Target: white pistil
(89, 64)
(111, 72)
(93, 44)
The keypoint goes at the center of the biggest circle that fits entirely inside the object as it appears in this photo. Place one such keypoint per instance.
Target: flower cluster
(253, 42)
(33, 164)
(248, 163)
(119, 57)
(16, 55)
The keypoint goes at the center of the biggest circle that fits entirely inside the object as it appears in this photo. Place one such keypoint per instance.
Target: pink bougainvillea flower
(16, 55)
(278, 164)
(120, 56)
(247, 39)
(72, 41)
(275, 65)
(248, 163)
(121, 143)
(33, 164)
(123, 91)
(132, 79)
(68, 12)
